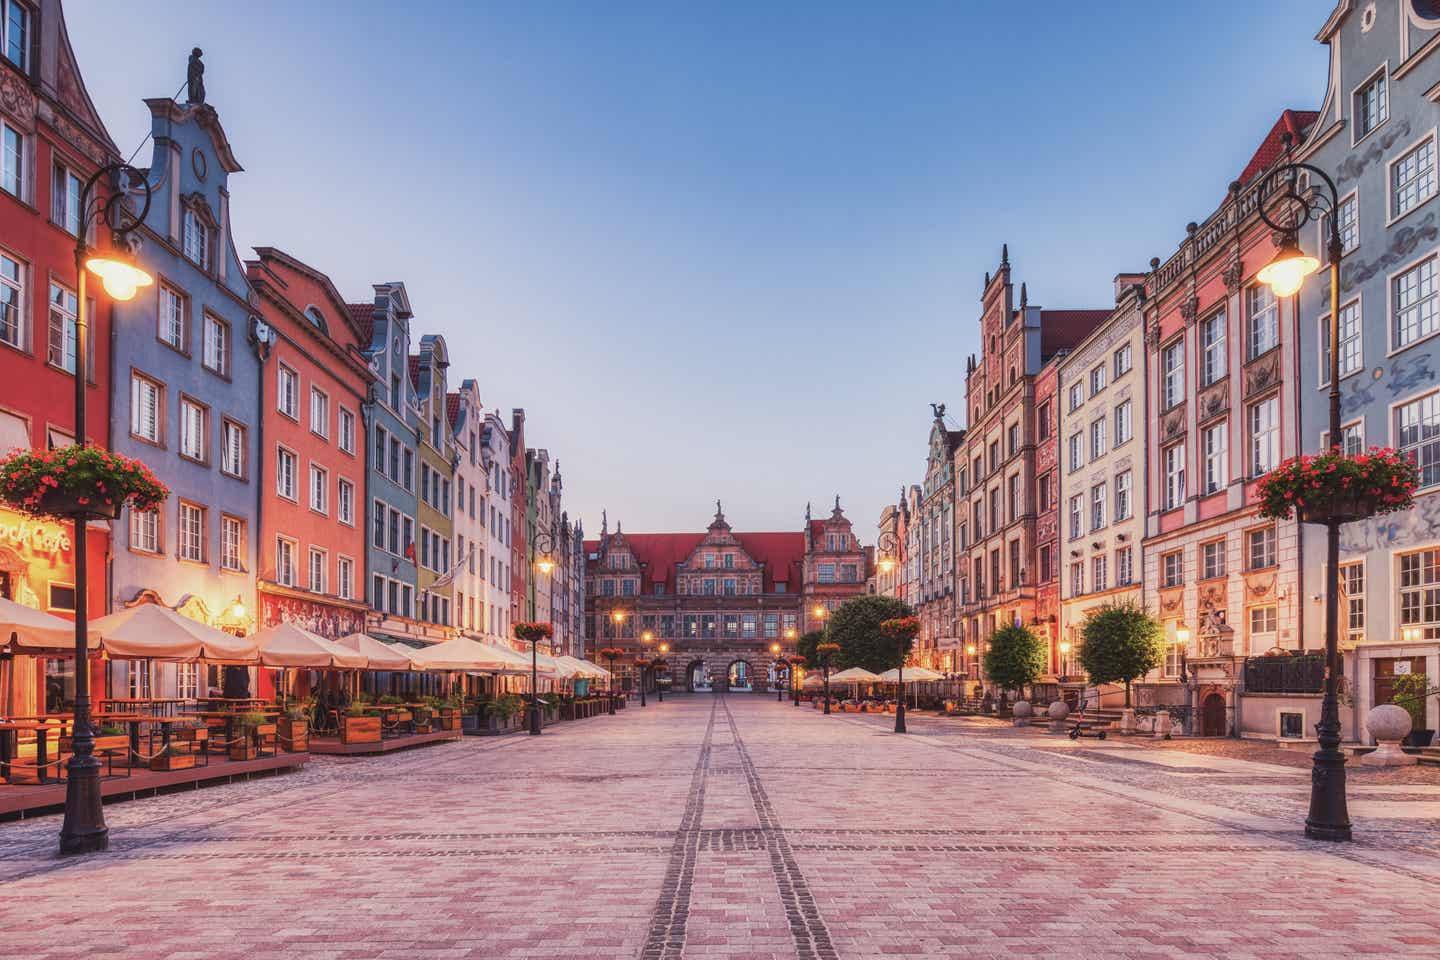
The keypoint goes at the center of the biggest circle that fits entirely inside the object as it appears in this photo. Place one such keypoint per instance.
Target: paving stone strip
(807, 929)
(666, 939)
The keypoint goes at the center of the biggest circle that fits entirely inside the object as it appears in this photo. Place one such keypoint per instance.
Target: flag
(449, 576)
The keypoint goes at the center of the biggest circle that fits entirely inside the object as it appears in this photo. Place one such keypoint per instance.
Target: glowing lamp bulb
(1286, 272)
(120, 279)
(546, 565)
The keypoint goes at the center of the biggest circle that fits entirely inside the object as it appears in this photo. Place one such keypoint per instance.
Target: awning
(462, 653)
(583, 668)
(149, 631)
(286, 645)
(918, 674)
(26, 628)
(382, 656)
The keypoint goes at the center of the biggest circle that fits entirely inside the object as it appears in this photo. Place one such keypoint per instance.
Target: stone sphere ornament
(1388, 724)
(1059, 710)
(1022, 709)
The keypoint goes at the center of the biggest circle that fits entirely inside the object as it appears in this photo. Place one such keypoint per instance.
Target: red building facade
(51, 141)
(1047, 503)
(313, 454)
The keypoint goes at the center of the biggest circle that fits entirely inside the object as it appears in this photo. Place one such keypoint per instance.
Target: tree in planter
(1122, 643)
(855, 626)
(1410, 691)
(1015, 658)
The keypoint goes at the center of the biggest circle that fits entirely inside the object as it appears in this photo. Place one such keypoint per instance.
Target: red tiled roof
(782, 553)
(415, 370)
(1063, 329)
(1293, 122)
(452, 407)
(364, 316)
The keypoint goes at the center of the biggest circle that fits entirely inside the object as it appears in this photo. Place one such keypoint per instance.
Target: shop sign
(50, 540)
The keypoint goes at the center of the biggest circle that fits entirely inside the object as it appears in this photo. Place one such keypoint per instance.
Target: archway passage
(696, 679)
(738, 677)
(1212, 716)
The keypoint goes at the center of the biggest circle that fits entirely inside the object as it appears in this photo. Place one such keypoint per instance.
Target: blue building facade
(1376, 137)
(392, 419)
(186, 388)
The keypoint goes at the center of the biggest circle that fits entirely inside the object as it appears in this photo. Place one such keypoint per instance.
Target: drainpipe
(110, 445)
(260, 341)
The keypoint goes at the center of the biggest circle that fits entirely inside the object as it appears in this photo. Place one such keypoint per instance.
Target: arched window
(316, 318)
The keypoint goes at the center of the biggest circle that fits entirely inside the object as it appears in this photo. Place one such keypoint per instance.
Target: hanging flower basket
(533, 632)
(900, 629)
(1334, 486)
(78, 483)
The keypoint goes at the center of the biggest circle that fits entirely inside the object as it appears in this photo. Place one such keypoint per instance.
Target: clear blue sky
(722, 250)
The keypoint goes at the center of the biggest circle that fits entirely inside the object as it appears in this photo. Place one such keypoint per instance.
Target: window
(319, 412)
(1124, 423)
(11, 287)
(1352, 582)
(1097, 378)
(16, 27)
(232, 452)
(192, 532)
(1174, 658)
(195, 240)
(1123, 483)
(1262, 321)
(1349, 222)
(1420, 591)
(285, 467)
(1077, 451)
(1077, 395)
(232, 543)
(1212, 559)
(1077, 512)
(172, 317)
(1013, 446)
(317, 570)
(1014, 495)
(1097, 506)
(1412, 178)
(1045, 495)
(194, 438)
(1172, 569)
(1099, 573)
(1418, 426)
(347, 430)
(1174, 476)
(1349, 342)
(345, 578)
(1372, 106)
(287, 392)
(1047, 567)
(1077, 579)
(1292, 725)
(1260, 548)
(407, 468)
(65, 200)
(319, 489)
(1172, 373)
(146, 405)
(345, 501)
(1352, 438)
(216, 350)
(1042, 425)
(1124, 567)
(1122, 361)
(187, 680)
(12, 160)
(826, 573)
(284, 562)
(1097, 439)
(1262, 628)
(145, 531)
(377, 517)
(1212, 348)
(61, 351)
(1264, 436)
(1215, 446)
(1413, 295)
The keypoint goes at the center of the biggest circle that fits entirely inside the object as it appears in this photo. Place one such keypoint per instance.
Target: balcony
(1300, 673)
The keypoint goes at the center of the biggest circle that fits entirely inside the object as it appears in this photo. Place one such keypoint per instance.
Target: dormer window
(195, 240)
(16, 29)
(316, 318)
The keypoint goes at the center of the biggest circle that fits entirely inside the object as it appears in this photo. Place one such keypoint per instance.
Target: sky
(724, 251)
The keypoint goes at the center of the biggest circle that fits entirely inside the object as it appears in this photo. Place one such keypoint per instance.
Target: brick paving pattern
(740, 828)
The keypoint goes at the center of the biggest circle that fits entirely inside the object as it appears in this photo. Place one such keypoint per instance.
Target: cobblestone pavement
(737, 827)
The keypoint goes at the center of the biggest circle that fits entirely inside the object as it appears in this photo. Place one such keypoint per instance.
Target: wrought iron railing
(1304, 673)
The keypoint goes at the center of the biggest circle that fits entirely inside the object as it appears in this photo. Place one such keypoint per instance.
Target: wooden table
(229, 716)
(11, 729)
(165, 706)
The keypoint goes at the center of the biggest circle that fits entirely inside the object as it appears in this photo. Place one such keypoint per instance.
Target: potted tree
(253, 731)
(1015, 659)
(1411, 690)
(1121, 644)
(78, 483)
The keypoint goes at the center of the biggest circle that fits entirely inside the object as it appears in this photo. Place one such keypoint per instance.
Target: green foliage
(111, 730)
(253, 719)
(506, 707)
(1016, 657)
(805, 647)
(1121, 644)
(855, 626)
(1410, 690)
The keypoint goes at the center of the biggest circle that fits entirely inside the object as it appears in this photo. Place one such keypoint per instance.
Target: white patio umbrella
(28, 630)
(917, 674)
(149, 631)
(854, 675)
(286, 645)
(462, 653)
(382, 656)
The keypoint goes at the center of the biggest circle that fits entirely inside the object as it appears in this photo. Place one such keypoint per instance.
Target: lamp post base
(534, 720)
(84, 829)
(1329, 817)
(900, 717)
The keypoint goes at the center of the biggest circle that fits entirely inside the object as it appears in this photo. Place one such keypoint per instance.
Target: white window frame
(346, 429)
(283, 489)
(17, 171)
(1172, 379)
(1214, 354)
(1173, 476)
(1266, 320)
(285, 550)
(319, 403)
(194, 430)
(199, 512)
(215, 349)
(1392, 320)
(232, 559)
(155, 433)
(345, 505)
(1430, 398)
(1393, 214)
(172, 318)
(1354, 309)
(1382, 76)
(311, 582)
(1262, 461)
(195, 238)
(1124, 422)
(1124, 495)
(344, 577)
(13, 289)
(1217, 458)
(319, 489)
(143, 540)
(232, 455)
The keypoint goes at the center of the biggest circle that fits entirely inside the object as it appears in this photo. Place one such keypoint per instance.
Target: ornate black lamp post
(612, 654)
(902, 630)
(660, 664)
(796, 661)
(825, 651)
(1285, 207)
(84, 830)
(643, 663)
(533, 633)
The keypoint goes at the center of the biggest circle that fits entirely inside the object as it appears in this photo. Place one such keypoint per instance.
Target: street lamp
(660, 664)
(1064, 660)
(779, 665)
(84, 829)
(611, 654)
(1329, 818)
(643, 660)
(825, 651)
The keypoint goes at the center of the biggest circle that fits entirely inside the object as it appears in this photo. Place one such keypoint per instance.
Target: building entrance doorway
(739, 677)
(696, 679)
(1212, 716)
